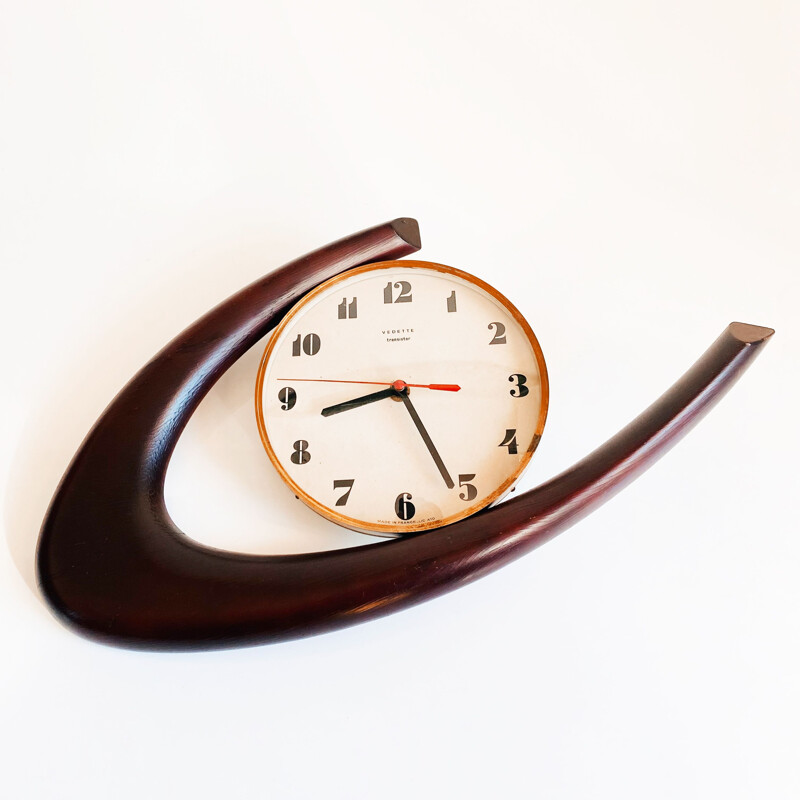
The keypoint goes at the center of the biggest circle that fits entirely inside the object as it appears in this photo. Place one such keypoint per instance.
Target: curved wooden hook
(114, 566)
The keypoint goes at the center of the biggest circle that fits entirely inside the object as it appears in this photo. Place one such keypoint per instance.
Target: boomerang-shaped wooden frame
(113, 565)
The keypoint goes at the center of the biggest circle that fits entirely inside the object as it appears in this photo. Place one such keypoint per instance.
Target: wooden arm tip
(407, 228)
(750, 334)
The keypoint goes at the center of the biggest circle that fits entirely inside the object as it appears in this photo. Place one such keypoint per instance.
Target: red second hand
(442, 387)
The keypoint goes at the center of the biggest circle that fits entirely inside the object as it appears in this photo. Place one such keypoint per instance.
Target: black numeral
(451, 302)
(308, 344)
(301, 454)
(472, 492)
(510, 441)
(342, 501)
(403, 507)
(288, 398)
(520, 389)
(499, 333)
(403, 297)
(348, 310)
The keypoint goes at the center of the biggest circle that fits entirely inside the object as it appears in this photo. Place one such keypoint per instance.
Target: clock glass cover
(401, 396)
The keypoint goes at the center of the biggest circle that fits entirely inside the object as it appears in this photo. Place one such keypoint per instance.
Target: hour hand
(359, 401)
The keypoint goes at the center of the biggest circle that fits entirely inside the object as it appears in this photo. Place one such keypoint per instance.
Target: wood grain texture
(114, 567)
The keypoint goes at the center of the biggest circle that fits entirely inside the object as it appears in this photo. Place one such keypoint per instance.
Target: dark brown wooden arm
(112, 564)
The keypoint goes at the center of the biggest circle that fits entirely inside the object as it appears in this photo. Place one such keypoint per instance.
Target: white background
(626, 173)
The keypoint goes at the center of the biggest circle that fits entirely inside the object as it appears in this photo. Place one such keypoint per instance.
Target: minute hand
(359, 401)
(426, 438)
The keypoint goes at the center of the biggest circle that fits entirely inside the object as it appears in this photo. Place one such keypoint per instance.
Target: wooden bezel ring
(391, 531)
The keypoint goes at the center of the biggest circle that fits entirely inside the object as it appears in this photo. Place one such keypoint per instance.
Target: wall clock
(114, 567)
(401, 396)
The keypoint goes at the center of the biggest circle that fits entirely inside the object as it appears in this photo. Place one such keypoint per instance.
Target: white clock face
(401, 396)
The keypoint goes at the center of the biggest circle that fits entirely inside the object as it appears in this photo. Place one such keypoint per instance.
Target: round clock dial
(401, 396)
